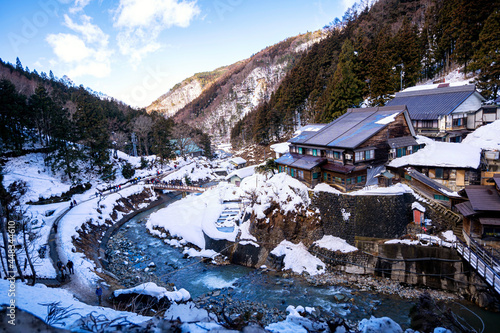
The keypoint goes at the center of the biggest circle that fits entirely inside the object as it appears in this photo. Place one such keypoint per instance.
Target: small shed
(238, 175)
(238, 162)
(418, 213)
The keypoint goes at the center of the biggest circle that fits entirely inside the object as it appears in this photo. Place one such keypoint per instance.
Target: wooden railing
(485, 264)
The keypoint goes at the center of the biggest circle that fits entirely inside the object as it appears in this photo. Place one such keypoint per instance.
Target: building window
(336, 155)
(338, 180)
(361, 179)
(279, 168)
(315, 152)
(401, 152)
(416, 148)
(441, 197)
(300, 174)
(300, 151)
(329, 178)
(439, 173)
(325, 175)
(364, 155)
(348, 180)
(329, 154)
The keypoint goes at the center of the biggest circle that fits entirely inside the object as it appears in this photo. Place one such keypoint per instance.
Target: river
(251, 285)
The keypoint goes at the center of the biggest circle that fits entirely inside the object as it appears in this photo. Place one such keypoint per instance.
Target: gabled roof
(238, 160)
(353, 128)
(483, 197)
(429, 104)
(403, 141)
(242, 173)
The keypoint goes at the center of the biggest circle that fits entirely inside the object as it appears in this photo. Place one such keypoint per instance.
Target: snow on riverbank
(96, 212)
(31, 299)
(298, 259)
(333, 243)
(151, 289)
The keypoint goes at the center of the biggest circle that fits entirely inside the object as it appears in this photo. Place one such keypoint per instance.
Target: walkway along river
(135, 256)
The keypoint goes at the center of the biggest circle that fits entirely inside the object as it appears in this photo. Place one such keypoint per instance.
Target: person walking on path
(60, 265)
(98, 292)
(69, 264)
(62, 269)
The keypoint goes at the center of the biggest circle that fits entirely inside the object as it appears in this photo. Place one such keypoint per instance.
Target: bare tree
(142, 127)
(183, 136)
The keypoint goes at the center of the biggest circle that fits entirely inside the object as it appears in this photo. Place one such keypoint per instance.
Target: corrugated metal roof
(429, 104)
(432, 183)
(403, 141)
(465, 208)
(308, 162)
(305, 162)
(354, 127)
(302, 137)
(287, 159)
(483, 197)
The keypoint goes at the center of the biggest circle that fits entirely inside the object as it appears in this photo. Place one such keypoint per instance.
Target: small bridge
(179, 188)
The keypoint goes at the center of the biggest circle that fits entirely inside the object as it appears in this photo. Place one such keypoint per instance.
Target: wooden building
(482, 211)
(431, 189)
(344, 152)
(443, 112)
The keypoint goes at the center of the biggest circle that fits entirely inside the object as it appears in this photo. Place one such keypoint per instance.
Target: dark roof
(465, 208)
(483, 197)
(352, 128)
(431, 183)
(489, 220)
(305, 162)
(496, 178)
(430, 104)
(403, 141)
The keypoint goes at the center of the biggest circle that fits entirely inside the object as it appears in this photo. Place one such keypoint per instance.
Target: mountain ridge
(230, 92)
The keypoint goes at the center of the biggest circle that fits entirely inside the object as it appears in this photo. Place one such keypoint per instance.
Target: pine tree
(160, 142)
(487, 57)
(92, 128)
(19, 65)
(347, 89)
(13, 117)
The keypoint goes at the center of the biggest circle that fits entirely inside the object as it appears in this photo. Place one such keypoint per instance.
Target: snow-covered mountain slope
(177, 98)
(214, 101)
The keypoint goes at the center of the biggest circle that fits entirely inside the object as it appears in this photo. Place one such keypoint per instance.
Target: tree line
(371, 53)
(76, 130)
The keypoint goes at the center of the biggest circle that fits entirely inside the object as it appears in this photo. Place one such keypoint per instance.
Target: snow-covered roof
(416, 205)
(485, 137)
(280, 148)
(242, 173)
(442, 154)
(238, 160)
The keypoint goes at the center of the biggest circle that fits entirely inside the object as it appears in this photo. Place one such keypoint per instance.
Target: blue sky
(135, 50)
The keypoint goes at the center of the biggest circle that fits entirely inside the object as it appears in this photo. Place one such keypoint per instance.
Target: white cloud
(79, 5)
(86, 51)
(141, 22)
(68, 48)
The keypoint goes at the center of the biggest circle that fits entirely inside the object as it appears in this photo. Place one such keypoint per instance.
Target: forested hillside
(76, 129)
(375, 51)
